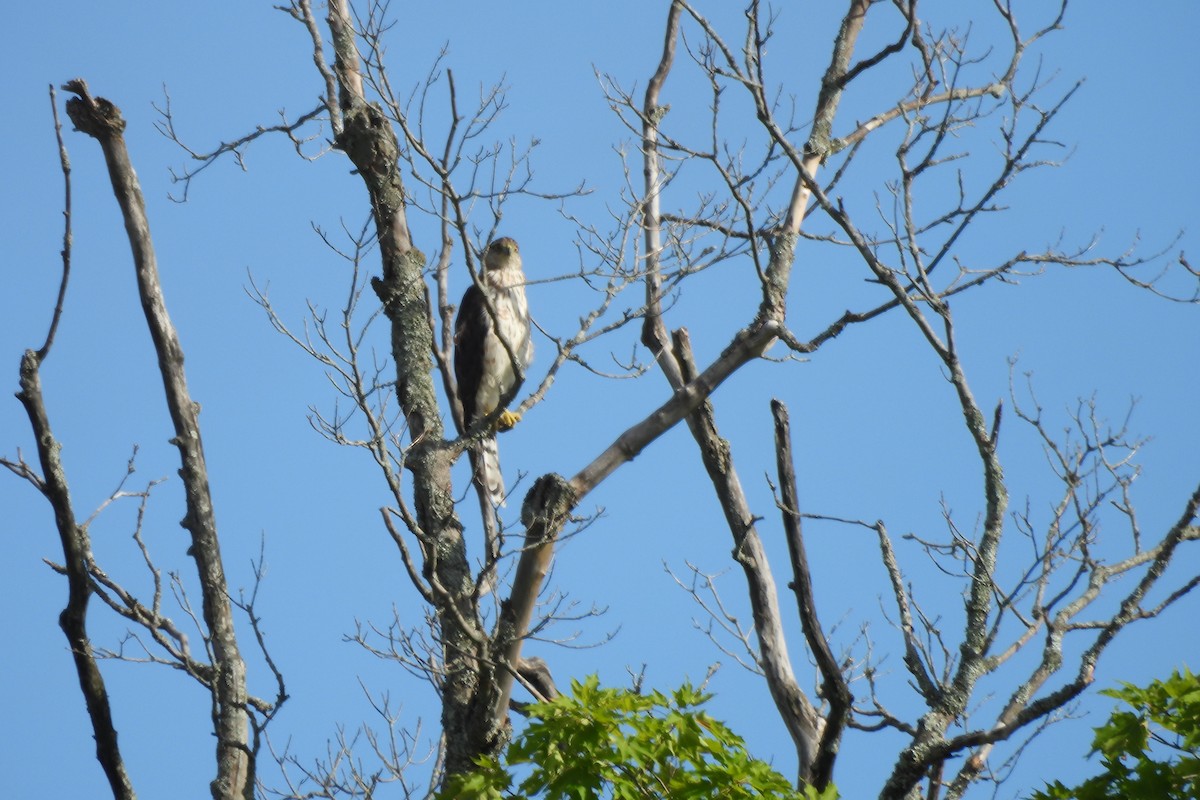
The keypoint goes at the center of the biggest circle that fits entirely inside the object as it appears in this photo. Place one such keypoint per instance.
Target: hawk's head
(502, 254)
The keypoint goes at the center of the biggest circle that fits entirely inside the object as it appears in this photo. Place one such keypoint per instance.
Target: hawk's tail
(489, 470)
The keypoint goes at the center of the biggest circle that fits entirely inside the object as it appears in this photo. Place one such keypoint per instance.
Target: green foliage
(1149, 753)
(611, 743)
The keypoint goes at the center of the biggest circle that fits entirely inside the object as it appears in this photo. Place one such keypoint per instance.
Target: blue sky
(876, 430)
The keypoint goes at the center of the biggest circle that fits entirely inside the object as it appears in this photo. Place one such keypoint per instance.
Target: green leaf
(598, 742)
(1149, 752)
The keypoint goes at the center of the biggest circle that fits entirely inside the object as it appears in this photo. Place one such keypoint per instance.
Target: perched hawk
(483, 364)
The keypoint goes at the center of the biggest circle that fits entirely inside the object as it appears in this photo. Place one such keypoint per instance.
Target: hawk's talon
(507, 420)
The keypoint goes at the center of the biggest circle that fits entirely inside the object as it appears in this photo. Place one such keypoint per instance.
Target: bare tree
(758, 201)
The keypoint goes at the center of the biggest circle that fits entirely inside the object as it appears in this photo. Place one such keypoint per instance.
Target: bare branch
(235, 148)
(654, 331)
(302, 11)
(703, 590)
(65, 164)
(72, 536)
(748, 344)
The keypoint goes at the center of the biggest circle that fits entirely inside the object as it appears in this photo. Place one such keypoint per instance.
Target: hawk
(492, 349)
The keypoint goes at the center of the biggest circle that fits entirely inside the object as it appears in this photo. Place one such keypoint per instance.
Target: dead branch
(833, 684)
(102, 120)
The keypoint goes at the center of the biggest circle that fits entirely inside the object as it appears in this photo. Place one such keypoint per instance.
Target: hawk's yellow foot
(508, 420)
